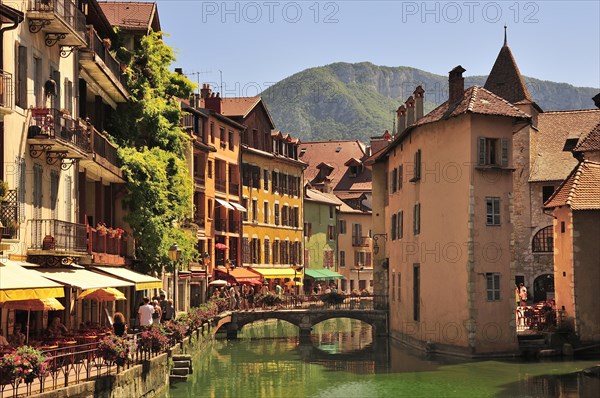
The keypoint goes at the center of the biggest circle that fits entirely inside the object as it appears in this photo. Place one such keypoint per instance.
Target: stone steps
(182, 367)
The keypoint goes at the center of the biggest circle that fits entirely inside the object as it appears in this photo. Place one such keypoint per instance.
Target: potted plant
(333, 298)
(153, 339)
(25, 363)
(102, 229)
(115, 349)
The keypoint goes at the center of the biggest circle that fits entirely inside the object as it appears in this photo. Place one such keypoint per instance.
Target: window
(398, 286)
(276, 252)
(543, 241)
(393, 289)
(37, 85)
(245, 250)
(266, 212)
(360, 258)
(276, 213)
(267, 251)
(54, 180)
(400, 177)
(354, 170)
(400, 225)
(331, 232)
(416, 292)
(342, 258)
(416, 167)
(356, 232)
(417, 219)
(547, 191)
(210, 169)
(38, 189)
(254, 210)
(245, 204)
(328, 258)
(255, 177)
(21, 77)
(492, 211)
(492, 152)
(342, 224)
(285, 216)
(562, 227)
(493, 286)
(394, 226)
(331, 211)
(266, 179)
(231, 140)
(68, 198)
(222, 137)
(394, 180)
(212, 133)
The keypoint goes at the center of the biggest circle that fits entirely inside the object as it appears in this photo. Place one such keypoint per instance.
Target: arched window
(543, 241)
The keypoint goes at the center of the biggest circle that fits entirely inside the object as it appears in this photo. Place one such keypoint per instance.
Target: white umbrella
(218, 282)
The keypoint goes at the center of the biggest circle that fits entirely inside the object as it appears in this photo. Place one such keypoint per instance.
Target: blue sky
(255, 44)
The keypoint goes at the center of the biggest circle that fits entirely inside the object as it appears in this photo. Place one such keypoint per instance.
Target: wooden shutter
(504, 152)
(400, 172)
(400, 222)
(394, 226)
(22, 77)
(481, 151)
(368, 259)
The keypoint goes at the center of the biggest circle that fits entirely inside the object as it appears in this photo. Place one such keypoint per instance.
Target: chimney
(205, 91)
(401, 113)
(419, 94)
(597, 100)
(213, 103)
(456, 85)
(410, 111)
(179, 71)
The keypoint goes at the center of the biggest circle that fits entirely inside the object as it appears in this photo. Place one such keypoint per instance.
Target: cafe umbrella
(45, 304)
(102, 295)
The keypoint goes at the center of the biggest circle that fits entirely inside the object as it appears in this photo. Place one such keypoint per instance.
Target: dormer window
(354, 167)
(353, 171)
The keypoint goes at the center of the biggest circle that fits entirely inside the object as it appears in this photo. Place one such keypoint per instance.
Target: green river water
(344, 361)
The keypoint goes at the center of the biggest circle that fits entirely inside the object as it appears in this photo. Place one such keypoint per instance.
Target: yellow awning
(274, 273)
(18, 283)
(141, 281)
(104, 294)
(82, 278)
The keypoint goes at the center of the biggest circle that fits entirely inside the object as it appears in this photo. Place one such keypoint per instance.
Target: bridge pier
(305, 332)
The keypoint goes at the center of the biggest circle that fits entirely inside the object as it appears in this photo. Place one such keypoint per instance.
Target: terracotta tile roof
(345, 208)
(349, 195)
(581, 189)
(335, 154)
(590, 142)
(505, 80)
(476, 99)
(313, 195)
(134, 15)
(241, 106)
(549, 161)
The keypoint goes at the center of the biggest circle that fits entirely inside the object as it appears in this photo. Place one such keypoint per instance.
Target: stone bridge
(303, 318)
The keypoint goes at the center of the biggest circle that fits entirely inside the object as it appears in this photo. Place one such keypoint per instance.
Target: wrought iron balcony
(98, 62)
(361, 241)
(9, 215)
(58, 136)
(103, 154)
(60, 20)
(6, 93)
(57, 236)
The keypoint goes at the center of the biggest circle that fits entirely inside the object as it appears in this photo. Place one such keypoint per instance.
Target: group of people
(55, 330)
(14, 340)
(154, 312)
(240, 298)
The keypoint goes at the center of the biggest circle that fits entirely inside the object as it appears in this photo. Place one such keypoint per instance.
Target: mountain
(357, 101)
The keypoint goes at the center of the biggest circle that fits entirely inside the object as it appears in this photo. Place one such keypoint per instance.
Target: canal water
(344, 361)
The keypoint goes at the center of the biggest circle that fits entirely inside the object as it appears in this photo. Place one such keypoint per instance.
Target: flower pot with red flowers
(115, 349)
(25, 363)
(102, 229)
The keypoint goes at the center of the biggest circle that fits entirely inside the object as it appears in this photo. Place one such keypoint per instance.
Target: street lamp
(359, 268)
(296, 268)
(205, 261)
(174, 256)
(375, 245)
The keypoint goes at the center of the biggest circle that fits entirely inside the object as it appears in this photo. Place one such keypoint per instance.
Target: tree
(153, 144)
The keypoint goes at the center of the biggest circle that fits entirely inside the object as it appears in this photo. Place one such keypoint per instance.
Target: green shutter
(504, 152)
(481, 151)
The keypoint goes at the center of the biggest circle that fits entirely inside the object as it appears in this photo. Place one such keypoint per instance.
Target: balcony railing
(104, 243)
(57, 235)
(97, 45)
(65, 9)
(6, 90)
(361, 241)
(234, 189)
(9, 215)
(221, 225)
(103, 147)
(50, 123)
(221, 186)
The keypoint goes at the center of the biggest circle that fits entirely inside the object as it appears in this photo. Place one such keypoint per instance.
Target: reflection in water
(344, 361)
